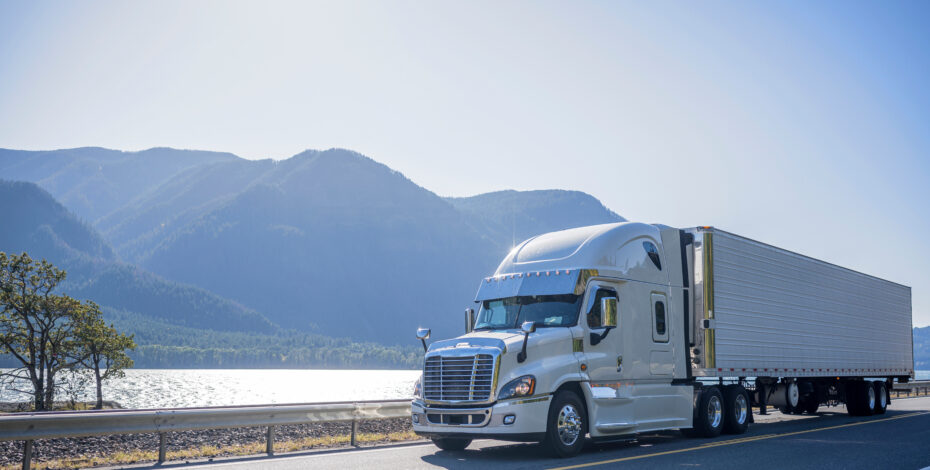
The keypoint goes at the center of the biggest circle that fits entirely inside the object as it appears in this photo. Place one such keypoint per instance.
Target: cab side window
(659, 319)
(594, 306)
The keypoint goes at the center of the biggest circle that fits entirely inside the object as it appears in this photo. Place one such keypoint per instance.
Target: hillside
(37, 224)
(310, 242)
(176, 325)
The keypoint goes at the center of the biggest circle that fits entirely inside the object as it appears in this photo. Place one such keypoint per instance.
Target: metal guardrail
(918, 388)
(28, 427)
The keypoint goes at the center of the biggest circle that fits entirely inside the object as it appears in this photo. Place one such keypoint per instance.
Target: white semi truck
(617, 329)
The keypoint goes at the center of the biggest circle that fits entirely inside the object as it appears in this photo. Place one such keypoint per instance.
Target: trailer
(611, 330)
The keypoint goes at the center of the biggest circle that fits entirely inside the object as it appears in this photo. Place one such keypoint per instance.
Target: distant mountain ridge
(293, 239)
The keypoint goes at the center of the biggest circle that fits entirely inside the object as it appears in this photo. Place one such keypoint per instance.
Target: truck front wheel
(451, 443)
(567, 425)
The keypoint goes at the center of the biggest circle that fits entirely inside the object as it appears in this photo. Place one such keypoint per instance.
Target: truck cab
(578, 332)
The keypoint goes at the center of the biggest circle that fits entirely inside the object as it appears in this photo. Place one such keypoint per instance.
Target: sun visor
(563, 281)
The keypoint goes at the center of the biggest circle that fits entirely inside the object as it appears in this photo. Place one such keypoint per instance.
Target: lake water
(169, 388)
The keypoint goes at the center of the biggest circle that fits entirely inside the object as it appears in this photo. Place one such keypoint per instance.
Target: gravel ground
(51, 449)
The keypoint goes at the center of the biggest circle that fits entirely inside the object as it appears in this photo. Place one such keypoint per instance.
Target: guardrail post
(27, 455)
(269, 445)
(353, 441)
(162, 444)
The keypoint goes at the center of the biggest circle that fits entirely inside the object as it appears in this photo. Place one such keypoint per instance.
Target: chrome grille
(458, 378)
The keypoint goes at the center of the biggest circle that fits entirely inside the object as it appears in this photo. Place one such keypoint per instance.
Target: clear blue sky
(803, 125)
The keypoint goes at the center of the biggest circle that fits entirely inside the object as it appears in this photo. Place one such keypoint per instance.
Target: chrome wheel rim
(883, 400)
(568, 425)
(794, 396)
(871, 397)
(714, 412)
(742, 409)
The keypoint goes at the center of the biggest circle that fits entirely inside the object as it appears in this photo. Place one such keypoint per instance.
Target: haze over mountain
(325, 241)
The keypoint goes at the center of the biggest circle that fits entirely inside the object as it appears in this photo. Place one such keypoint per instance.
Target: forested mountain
(37, 224)
(176, 325)
(329, 242)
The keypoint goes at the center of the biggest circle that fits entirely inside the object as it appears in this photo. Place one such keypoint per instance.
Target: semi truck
(611, 330)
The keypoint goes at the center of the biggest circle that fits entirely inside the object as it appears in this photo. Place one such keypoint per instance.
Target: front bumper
(529, 417)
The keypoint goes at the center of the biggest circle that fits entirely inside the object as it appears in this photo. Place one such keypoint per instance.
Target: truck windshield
(545, 310)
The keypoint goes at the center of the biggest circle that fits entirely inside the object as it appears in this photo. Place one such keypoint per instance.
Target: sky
(802, 124)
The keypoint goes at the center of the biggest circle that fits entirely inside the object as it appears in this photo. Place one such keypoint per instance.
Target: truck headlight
(417, 389)
(519, 387)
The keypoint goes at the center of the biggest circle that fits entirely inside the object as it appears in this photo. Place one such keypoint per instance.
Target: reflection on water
(167, 388)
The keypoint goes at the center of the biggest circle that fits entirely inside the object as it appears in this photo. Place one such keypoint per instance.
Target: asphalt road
(898, 439)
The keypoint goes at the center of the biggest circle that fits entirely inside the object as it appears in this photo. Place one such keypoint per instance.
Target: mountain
(35, 223)
(329, 242)
(175, 325)
(336, 243)
(509, 217)
(92, 181)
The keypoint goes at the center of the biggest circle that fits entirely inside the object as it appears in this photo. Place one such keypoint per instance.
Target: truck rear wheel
(709, 414)
(567, 425)
(860, 398)
(736, 405)
(881, 397)
(451, 443)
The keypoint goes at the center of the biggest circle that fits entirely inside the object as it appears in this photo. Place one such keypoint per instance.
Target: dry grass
(204, 452)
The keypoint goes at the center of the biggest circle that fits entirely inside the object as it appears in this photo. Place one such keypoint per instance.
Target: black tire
(451, 443)
(881, 398)
(709, 414)
(566, 426)
(859, 395)
(737, 409)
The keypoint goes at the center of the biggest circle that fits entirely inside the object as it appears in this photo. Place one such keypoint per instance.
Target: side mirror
(609, 312)
(423, 335)
(469, 320)
(608, 319)
(527, 328)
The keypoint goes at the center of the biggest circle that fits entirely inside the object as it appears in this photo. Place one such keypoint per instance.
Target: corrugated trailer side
(764, 311)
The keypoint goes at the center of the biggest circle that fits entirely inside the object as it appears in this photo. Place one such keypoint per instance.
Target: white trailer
(708, 324)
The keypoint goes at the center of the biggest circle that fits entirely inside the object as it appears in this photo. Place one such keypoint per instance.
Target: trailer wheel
(451, 443)
(709, 414)
(736, 405)
(860, 398)
(881, 397)
(567, 425)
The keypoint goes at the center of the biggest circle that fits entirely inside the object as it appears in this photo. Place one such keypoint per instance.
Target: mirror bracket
(423, 335)
(598, 337)
(528, 327)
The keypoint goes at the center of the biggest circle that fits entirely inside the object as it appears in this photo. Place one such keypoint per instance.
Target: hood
(508, 341)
